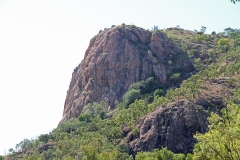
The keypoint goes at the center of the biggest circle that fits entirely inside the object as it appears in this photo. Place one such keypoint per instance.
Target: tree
(237, 41)
(213, 33)
(90, 152)
(198, 64)
(228, 30)
(1, 157)
(144, 86)
(158, 93)
(114, 134)
(234, 1)
(43, 138)
(223, 42)
(10, 150)
(34, 156)
(175, 77)
(85, 117)
(130, 96)
(202, 30)
(162, 154)
(222, 140)
(155, 28)
(25, 144)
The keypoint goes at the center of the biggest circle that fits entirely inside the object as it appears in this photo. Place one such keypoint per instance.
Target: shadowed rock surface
(116, 58)
(171, 126)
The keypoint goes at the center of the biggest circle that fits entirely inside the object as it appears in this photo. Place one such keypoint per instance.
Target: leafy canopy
(223, 139)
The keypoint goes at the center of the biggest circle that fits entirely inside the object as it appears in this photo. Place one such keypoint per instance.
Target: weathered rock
(171, 126)
(116, 58)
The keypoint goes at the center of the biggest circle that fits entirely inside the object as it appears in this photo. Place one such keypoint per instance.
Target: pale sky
(42, 41)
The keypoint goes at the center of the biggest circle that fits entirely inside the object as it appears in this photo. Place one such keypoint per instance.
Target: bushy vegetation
(222, 141)
(160, 154)
(98, 135)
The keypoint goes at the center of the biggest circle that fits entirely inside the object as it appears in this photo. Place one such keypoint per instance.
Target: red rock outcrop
(116, 58)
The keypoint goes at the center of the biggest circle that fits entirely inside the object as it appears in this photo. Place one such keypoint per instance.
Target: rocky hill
(116, 58)
(139, 94)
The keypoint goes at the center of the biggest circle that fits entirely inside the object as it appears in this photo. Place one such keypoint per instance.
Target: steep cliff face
(114, 59)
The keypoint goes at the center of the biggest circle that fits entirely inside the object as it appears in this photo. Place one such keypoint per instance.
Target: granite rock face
(116, 58)
(171, 126)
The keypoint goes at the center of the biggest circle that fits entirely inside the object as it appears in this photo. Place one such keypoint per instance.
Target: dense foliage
(160, 154)
(223, 139)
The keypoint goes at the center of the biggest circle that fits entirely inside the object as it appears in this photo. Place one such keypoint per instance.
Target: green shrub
(158, 93)
(223, 42)
(219, 49)
(132, 26)
(135, 130)
(148, 98)
(162, 154)
(175, 77)
(198, 64)
(181, 31)
(104, 54)
(169, 62)
(192, 52)
(70, 125)
(130, 96)
(43, 138)
(203, 37)
(199, 38)
(85, 117)
(222, 140)
(211, 52)
(155, 61)
(144, 86)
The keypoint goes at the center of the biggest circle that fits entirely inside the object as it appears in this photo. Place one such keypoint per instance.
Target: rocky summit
(116, 58)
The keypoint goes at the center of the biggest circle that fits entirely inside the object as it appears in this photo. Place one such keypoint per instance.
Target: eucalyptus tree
(234, 1)
(222, 140)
